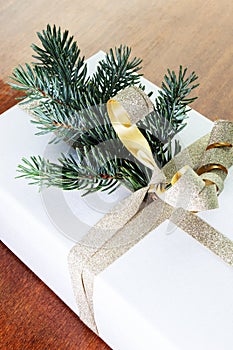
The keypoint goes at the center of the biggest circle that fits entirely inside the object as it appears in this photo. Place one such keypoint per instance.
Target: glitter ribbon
(203, 168)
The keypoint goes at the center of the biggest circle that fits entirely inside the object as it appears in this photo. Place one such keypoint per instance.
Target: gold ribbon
(128, 223)
(138, 106)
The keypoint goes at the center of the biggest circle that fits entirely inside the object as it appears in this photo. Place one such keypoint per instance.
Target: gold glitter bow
(200, 180)
(192, 189)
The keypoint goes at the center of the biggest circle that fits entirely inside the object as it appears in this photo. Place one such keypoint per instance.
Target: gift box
(167, 291)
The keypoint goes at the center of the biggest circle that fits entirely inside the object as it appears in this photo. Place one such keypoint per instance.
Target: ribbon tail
(81, 255)
(205, 234)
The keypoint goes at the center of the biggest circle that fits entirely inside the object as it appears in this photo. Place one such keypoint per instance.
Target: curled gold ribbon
(207, 168)
(218, 144)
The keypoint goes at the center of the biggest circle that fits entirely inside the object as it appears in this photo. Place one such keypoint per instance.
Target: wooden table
(197, 34)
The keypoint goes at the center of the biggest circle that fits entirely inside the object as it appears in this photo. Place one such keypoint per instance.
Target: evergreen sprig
(169, 115)
(71, 105)
(115, 73)
(101, 167)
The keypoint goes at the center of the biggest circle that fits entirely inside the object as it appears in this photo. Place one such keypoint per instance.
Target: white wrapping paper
(167, 292)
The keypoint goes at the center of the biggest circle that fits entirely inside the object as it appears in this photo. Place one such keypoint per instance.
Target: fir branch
(168, 117)
(66, 174)
(115, 73)
(59, 72)
(96, 168)
(173, 100)
(59, 84)
(73, 107)
(61, 57)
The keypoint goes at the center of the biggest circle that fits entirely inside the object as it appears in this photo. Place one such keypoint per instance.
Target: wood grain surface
(32, 316)
(197, 34)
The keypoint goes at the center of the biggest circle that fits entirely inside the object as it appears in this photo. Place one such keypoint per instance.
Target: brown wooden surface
(165, 34)
(33, 318)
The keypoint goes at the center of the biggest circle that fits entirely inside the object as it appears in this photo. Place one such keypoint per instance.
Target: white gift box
(167, 292)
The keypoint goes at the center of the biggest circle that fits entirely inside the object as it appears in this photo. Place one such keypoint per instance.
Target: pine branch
(64, 94)
(115, 73)
(66, 175)
(58, 72)
(173, 99)
(168, 118)
(73, 107)
(97, 168)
